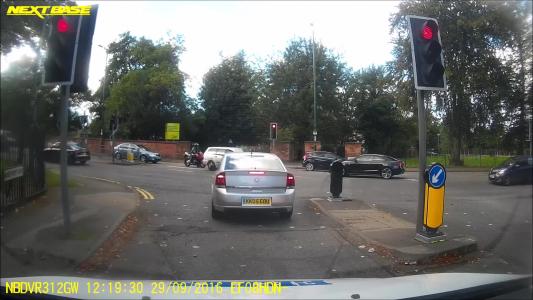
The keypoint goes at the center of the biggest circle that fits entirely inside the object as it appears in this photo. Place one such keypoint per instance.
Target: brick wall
(284, 150)
(309, 146)
(352, 149)
(168, 150)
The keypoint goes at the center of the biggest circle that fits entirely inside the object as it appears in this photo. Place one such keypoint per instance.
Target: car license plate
(256, 201)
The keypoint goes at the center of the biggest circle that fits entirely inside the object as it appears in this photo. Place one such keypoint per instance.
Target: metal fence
(22, 170)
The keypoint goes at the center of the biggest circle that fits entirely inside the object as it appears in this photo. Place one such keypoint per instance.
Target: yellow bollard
(130, 156)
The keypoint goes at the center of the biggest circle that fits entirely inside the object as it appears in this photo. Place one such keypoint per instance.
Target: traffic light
(273, 131)
(83, 56)
(426, 50)
(61, 41)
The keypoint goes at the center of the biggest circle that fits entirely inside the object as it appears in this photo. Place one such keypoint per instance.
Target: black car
(367, 164)
(319, 160)
(75, 153)
(517, 169)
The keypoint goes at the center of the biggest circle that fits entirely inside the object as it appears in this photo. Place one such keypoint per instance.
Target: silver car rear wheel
(309, 167)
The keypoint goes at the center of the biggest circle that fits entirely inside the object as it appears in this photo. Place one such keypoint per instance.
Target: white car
(214, 155)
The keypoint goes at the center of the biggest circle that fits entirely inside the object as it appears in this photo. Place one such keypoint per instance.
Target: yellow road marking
(142, 193)
(146, 195)
(150, 196)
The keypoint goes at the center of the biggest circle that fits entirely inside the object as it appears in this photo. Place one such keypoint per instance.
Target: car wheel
(117, 155)
(506, 180)
(211, 165)
(386, 173)
(143, 158)
(215, 213)
(286, 214)
(82, 162)
(309, 167)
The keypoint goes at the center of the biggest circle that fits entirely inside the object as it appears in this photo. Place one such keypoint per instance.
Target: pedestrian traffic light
(273, 131)
(83, 56)
(426, 50)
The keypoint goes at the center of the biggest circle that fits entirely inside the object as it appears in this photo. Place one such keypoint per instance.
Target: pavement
(34, 236)
(391, 235)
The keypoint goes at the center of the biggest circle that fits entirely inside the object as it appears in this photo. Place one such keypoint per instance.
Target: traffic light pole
(64, 159)
(421, 161)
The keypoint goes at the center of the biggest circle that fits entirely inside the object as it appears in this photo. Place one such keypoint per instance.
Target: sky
(212, 30)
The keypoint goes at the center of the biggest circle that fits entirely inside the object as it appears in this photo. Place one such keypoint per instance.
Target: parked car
(518, 169)
(367, 164)
(319, 160)
(75, 153)
(252, 180)
(140, 152)
(214, 155)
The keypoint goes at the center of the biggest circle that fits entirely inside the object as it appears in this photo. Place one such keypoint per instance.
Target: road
(177, 238)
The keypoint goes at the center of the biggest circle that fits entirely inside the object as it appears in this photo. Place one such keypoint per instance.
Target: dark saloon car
(75, 153)
(319, 160)
(372, 164)
(515, 170)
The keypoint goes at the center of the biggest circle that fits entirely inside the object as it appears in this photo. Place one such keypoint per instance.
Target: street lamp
(105, 72)
(314, 90)
(528, 117)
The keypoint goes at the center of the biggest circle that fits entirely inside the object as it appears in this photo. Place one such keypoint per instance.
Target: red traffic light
(273, 125)
(62, 25)
(427, 32)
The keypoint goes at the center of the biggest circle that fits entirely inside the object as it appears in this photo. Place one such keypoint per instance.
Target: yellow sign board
(172, 132)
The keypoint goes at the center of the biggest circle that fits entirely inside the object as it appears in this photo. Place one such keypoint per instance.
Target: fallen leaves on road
(112, 247)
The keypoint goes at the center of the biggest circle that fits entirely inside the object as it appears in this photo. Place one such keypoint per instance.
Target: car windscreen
(145, 148)
(245, 162)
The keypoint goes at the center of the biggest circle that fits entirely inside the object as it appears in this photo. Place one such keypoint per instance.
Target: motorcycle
(194, 159)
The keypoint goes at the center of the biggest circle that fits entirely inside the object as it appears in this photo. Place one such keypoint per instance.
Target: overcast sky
(212, 30)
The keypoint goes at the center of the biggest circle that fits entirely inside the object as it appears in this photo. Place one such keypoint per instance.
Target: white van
(214, 155)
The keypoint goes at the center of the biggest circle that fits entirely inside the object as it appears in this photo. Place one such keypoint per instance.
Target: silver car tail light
(220, 180)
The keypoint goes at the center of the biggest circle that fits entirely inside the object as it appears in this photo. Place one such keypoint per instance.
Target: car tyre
(117, 155)
(211, 165)
(215, 213)
(506, 181)
(309, 167)
(386, 173)
(143, 158)
(286, 214)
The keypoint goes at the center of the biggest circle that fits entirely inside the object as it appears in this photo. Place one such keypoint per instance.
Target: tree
(146, 88)
(227, 95)
(286, 95)
(475, 35)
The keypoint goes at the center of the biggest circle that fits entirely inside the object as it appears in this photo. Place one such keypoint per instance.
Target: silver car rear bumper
(223, 200)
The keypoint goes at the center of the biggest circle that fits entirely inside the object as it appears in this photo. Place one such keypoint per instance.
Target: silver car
(252, 180)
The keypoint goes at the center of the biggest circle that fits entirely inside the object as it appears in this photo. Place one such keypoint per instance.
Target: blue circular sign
(436, 176)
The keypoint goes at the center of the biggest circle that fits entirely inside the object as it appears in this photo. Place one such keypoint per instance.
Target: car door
(377, 164)
(330, 158)
(364, 164)
(521, 171)
(320, 161)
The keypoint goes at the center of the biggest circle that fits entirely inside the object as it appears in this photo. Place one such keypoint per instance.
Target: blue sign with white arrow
(436, 176)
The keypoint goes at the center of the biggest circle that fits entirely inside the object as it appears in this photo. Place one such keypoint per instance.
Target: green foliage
(482, 78)
(146, 89)
(227, 96)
